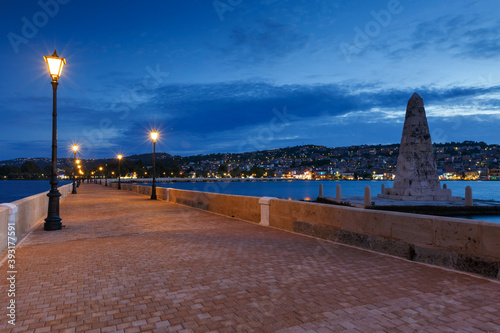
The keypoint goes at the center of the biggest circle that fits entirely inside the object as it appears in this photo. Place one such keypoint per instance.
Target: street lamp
(53, 221)
(154, 136)
(75, 149)
(100, 178)
(79, 171)
(119, 174)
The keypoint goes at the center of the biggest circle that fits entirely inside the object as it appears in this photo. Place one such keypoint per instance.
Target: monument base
(418, 194)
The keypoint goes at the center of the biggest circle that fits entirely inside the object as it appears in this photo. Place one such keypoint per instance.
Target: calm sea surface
(298, 189)
(11, 190)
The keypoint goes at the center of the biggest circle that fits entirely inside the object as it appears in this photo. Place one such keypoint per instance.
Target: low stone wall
(4, 221)
(466, 245)
(237, 206)
(30, 212)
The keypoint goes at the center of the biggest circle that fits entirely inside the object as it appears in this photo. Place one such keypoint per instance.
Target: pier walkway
(124, 263)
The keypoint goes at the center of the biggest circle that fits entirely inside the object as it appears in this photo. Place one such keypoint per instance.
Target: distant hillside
(260, 155)
(147, 158)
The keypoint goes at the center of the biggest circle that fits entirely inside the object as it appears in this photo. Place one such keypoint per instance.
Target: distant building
(349, 175)
(494, 173)
(320, 173)
(471, 175)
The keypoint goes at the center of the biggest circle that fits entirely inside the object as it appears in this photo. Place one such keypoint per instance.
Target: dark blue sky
(240, 75)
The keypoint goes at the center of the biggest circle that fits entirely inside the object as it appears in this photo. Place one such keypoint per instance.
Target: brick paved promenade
(125, 263)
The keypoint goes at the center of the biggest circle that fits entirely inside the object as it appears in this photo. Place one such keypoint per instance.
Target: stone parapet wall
(4, 221)
(237, 206)
(242, 207)
(30, 212)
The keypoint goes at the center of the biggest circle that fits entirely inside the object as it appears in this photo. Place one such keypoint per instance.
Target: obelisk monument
(416, 176)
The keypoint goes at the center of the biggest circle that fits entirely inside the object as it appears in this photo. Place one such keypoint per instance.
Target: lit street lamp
(53, 221)
(119, 174)
(79, 171)
(75, 148)
(154, 136)
(100, 178)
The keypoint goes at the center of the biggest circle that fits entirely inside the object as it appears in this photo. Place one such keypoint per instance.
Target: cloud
(247, 116)
(268, 41)
(206, 108)
(468, 37)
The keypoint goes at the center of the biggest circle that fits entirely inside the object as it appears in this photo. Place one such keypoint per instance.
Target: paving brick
(124, 263)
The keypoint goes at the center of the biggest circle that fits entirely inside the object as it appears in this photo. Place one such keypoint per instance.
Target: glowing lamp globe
(55, 64)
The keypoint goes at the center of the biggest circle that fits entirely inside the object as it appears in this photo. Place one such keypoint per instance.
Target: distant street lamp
(119, 174)
(53, 221)
(154, 136)
(79, 171)
(75, 149)
(100, 178)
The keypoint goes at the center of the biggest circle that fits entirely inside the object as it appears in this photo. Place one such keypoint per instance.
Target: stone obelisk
(416, 176)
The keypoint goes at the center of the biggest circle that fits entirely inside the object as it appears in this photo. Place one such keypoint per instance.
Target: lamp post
(119, 174)
(100, 178)
(53, 221)
(154, 136)
(75, 148)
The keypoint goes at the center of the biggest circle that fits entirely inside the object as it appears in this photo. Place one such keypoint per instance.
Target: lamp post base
(52, 223)
(153, 192)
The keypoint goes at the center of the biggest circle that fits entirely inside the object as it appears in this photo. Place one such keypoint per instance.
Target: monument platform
(429, 207)
(443, 195)
(124, 263)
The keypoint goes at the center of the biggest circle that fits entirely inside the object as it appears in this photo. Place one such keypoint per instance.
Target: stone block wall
(30, 212)
(4, 221)
(242, 207)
